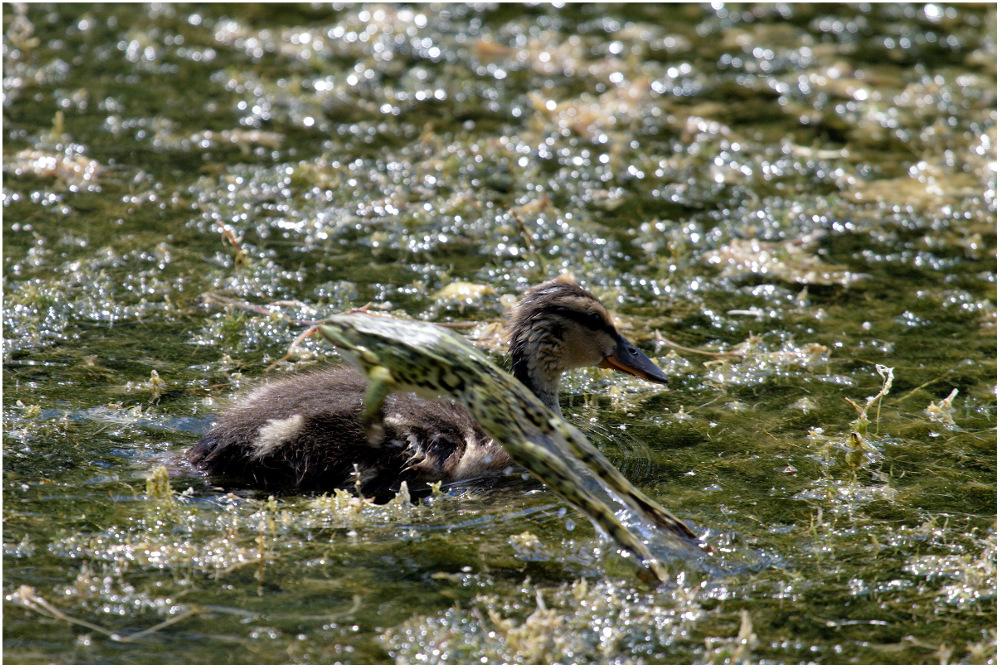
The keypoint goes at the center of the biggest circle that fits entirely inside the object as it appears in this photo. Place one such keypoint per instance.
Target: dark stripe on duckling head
(596, 321)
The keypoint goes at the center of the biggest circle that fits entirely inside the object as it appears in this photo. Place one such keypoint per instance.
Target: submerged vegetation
(786, 206)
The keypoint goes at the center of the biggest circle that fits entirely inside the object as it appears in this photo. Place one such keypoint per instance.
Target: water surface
(809, 188)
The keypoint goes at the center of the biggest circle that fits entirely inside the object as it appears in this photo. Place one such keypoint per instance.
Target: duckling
(305, 432)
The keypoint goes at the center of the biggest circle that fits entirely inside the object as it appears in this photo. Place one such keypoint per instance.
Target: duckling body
(306, 431)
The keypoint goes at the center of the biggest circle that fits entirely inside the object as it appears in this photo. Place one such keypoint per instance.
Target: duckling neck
(544, 386)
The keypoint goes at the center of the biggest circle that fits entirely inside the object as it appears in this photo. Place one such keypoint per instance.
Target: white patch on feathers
(274, 433)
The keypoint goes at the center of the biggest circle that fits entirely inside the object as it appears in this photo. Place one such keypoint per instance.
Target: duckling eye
(594, 321)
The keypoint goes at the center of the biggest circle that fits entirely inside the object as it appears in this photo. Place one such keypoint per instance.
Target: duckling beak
(629, 359)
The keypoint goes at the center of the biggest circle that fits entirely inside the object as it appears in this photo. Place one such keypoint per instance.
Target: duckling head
(558, 326)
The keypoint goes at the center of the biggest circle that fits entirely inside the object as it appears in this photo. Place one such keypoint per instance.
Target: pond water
(808, 188)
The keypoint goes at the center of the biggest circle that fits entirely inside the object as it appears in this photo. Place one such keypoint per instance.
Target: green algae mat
(790, 208)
